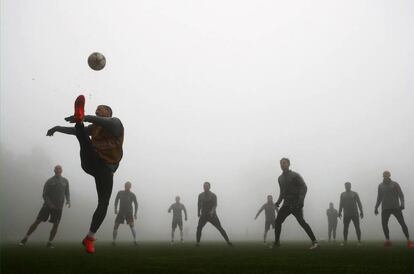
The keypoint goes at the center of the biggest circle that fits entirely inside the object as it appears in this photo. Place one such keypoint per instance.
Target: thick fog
(213, 91)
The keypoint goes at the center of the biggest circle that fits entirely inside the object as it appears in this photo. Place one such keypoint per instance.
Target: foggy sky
(213, 91)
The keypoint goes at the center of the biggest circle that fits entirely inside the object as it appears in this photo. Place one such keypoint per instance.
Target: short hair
(128, 183)
(269, 196)
(108, 108)
(347, 183)
(208, 183)
(285, 159)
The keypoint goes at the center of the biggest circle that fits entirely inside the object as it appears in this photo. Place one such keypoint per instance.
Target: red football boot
(79, 109)
(410, 244)
(387, 243)
(88, 242)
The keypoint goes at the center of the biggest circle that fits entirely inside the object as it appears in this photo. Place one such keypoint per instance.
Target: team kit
(101, 151)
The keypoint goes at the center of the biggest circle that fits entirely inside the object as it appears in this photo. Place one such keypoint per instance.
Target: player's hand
(70, 119)
(68, 204)
(340, 215)
(361, 215)
(51, 131)
(376, 211)
(402, 207)
(277, 205)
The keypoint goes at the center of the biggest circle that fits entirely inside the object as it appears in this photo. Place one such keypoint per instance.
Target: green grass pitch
(211, 257)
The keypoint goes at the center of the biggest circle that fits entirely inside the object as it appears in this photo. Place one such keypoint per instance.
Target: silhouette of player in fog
(333, 216)
(350, 202)
(177, 219)
(100, 155)
(391, 197)
(269, 209)
(55, 191)
(292, 192)
(207, 204)
(125, 198)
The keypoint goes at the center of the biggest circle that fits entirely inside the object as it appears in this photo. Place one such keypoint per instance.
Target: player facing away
(350, 203)
(100, 155)
(333, 216)
(391, 198)
(270, 216)
(125, 198)
(207, 204)
(177, 220)
(292, 192)
(55, 191)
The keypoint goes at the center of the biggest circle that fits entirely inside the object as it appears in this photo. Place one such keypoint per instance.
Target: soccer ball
(96, 61)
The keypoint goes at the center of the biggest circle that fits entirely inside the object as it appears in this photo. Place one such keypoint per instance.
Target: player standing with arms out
(100, 155)
(391, 197)
(333, 216)
(55, 191)
(207, 204)
(270, 216)
(125, 198)
(177, 220)
(350, 203)
(292, 192)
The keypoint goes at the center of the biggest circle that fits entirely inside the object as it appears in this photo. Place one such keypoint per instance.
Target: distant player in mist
(350, 203)
(177, 219)
(391, 197)
(100, 155)
(292, 192)
(125, 198)
(270, 216)
(55, 191)
(333, 216)
(207, 204)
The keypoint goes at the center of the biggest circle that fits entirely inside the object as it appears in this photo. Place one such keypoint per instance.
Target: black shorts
(45, 212)
(177, 222)
(269, 224)
(124, 216)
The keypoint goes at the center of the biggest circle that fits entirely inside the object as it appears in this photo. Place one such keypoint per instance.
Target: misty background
(213, 91)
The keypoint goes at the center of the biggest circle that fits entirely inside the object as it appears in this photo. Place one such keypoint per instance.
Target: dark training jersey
(332, 215)
(126, 199)
(292, 189)
(350, 203)
(177, 208)
(55, 190)
(390, 195)
(207, 202)
(269, 209)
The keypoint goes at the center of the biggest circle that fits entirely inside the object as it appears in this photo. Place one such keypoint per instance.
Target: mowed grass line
(211, 257)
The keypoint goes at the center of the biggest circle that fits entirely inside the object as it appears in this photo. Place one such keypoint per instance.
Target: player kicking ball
(100, 154)
(126, 198)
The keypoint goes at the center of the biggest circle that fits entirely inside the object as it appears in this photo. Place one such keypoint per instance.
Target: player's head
(330, 205)
(127, 186)
(347, 186)
(387, 175)
(206, 186)
(284, 164)
(270, 198)
(103, 111)
(58, 170)
(177, 199)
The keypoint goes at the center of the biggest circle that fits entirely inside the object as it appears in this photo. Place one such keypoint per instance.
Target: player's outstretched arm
(116, 203)
(258, 213)
(379, 200)
(401, 196)
(67, 194)
(135, 207)
(185, 213)
(340, 207)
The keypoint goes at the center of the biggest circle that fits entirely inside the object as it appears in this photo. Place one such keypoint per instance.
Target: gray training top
(177, 208)
(126, 198)
(332, 215)
(390, 195)
(269, 209)
(292, 189)
(349, 202)
(207, 202)
(55, 190)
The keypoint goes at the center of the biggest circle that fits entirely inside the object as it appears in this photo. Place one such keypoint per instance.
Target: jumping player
(177, 220)
(391, 197)
(100, 155)
(125, 198)
(269, 209)
(292, 192)
(332, 214)
(55, 191)
(207, 204)
(350, 203)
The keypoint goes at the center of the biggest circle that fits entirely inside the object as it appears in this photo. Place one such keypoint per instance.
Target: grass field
(211, 257)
